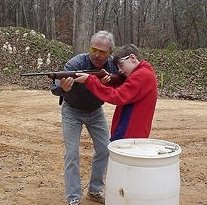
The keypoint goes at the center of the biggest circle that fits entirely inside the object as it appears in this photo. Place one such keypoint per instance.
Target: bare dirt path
(31, 147)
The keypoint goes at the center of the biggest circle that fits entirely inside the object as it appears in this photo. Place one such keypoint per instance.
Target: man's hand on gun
(66, 84)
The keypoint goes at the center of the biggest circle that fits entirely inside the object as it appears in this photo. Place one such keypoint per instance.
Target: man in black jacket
(80, 107)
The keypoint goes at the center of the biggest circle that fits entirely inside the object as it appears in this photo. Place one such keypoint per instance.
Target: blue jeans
(96, 124)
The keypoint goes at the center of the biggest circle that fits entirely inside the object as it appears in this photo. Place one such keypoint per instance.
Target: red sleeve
(133, 89)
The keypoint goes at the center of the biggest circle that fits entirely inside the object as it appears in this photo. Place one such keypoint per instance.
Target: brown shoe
(96, 197)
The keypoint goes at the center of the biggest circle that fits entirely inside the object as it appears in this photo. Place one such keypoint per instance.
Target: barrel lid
(144, 148)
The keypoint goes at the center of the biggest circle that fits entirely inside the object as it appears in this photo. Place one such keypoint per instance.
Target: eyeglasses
(124, 58)
(100, 52)
(121, 60)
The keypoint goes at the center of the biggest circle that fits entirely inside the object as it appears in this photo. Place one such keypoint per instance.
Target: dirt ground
(31, 147)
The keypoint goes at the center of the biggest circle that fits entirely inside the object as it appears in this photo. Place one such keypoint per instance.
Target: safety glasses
(121, 60)
(101, 53)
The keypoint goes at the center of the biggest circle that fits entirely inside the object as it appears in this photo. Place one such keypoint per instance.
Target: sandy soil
(31, 147)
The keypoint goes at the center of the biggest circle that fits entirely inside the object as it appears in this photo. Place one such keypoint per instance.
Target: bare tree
(190, 23)
(82, 25)
(21, 14)
(147, 23)
(52, 9)
(104, 15)
(131, 22)
(47, 19)
(3, 12)
(125, 19)
(176, 20)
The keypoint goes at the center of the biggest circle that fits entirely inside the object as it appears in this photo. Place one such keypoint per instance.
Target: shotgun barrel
(116, 78)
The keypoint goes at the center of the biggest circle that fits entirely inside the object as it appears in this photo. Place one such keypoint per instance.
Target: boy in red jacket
(135, 99)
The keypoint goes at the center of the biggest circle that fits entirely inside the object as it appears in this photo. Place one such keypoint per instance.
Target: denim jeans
(96, 124)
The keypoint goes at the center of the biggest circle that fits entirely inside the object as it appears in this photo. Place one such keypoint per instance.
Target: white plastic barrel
(143, 172)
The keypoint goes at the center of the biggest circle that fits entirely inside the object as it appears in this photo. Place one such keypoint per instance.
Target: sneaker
(74, 202)
(96, 196)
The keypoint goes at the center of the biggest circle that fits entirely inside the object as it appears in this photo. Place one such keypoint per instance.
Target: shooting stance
(135, 98)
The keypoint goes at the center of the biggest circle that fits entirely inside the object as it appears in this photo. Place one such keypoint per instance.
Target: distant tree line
(147, 23)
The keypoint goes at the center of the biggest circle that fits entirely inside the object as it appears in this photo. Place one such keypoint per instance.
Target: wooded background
(180, 24)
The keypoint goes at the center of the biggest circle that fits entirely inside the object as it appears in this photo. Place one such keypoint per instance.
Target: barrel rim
(140, 140)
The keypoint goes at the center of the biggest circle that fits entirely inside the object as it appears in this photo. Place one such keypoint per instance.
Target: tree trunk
(47, 19)
(175, 21)
(52, 10)
(131, 23)
(81, 25)
(125, 21)
(3, 14)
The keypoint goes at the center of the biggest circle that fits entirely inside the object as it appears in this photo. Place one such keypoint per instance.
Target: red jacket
(135, 99)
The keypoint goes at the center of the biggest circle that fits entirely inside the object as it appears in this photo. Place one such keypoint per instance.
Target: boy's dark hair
(124, 51)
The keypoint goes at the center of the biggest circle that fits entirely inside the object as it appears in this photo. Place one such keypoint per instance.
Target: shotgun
(116, 78)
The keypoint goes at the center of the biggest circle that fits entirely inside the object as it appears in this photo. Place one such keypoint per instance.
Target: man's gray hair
(105, 34)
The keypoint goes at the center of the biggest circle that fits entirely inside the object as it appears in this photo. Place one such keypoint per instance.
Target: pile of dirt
(181, 74)
(23, 50)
